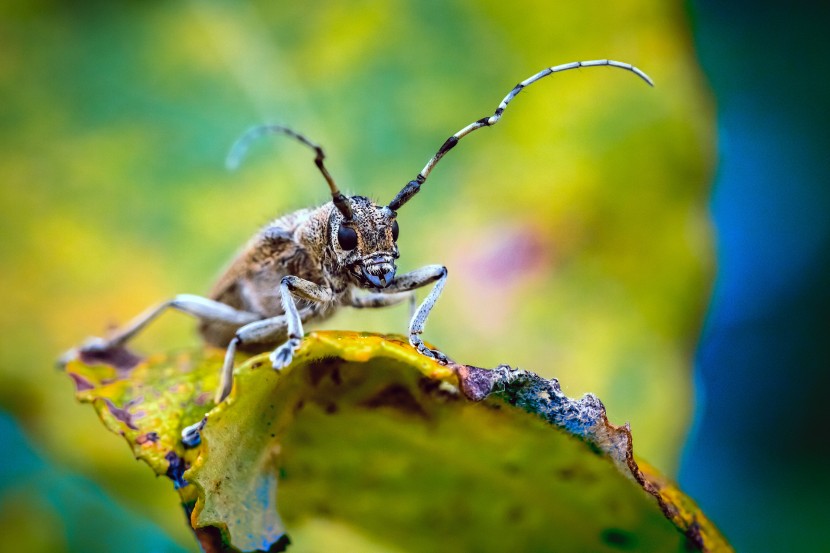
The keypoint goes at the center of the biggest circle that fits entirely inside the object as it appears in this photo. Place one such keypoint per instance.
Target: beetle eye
(395, 230)
(347, 238)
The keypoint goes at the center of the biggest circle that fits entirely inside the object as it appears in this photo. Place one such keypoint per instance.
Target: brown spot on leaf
(280, 545)
(668, 509)
(398, 397)
(476, 383)
(150, 437)
(319, 369)
(694, 538)
(122, 359)
(576, 472)
(210, 539)
(515, 514)
(175, 469)
(335, 375)
(428, 385)
(122, 413)
(512, 469)
(618, 539)
(81, 383)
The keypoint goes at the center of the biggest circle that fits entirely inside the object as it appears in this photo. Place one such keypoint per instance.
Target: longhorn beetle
(303, 266)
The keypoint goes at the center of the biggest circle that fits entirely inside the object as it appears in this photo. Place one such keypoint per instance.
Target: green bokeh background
(575, 231)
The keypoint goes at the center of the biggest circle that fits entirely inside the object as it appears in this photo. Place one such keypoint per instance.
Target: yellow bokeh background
(575, 232)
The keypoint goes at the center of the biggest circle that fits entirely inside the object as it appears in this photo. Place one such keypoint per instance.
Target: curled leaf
(364, 439)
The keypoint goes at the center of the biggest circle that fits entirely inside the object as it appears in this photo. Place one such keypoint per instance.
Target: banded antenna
(240, 148)
(413, 186)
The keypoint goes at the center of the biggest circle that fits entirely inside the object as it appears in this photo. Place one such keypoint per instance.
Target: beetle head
(365, 243)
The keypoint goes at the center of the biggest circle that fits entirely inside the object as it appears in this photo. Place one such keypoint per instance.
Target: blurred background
(663, 248)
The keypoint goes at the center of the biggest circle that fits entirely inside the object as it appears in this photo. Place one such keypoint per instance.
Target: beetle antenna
(413, 186)
(240, 148)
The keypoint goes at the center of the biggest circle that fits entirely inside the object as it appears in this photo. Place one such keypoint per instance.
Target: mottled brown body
(252, 280)
(302, 244)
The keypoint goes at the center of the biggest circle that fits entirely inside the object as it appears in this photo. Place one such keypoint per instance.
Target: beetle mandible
(303, 266)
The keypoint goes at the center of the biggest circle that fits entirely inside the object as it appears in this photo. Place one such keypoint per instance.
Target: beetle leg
(292, 286)
(257, 332)
(417, 279)
(192, 435)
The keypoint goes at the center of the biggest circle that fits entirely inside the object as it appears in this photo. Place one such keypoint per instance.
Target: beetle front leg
(291, 286)
(417, 279)
(266, 330)
(257, 332)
